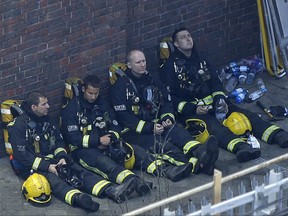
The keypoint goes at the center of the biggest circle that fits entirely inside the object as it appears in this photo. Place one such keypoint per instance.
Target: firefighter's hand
(52, 169)
(202, 110)
(166, 124)
(158, 128)
(62, 161)
(105, 140)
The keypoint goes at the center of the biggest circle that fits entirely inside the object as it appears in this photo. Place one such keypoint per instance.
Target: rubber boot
(120, 193)
(143, 187)
(177, 173)
(244, 152)
(281, 139)
(207, 154)
(84, 201)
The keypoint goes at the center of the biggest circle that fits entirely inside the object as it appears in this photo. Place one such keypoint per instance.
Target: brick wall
(43, 42)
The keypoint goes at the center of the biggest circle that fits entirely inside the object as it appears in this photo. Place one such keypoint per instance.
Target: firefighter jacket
(140, 102)
(192, 81)
(83, 123)
(36, 141)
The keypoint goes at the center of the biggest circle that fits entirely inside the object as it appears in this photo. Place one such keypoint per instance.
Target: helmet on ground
(130, 157)
(198, 129)
(37, 189)
(238, 123)
(122, 152)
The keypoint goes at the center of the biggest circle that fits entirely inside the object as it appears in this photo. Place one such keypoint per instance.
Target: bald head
(136, 61)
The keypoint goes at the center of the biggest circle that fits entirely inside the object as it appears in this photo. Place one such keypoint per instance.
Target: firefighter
(38, 147)
(197, 92)
(143, 105)
(92, 132)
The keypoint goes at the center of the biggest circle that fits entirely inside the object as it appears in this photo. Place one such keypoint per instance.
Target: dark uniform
(139, 103)
(189, 89)
(83, 124)
(37, 143)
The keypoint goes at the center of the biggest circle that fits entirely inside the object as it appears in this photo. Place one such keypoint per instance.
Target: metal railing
(216, 184)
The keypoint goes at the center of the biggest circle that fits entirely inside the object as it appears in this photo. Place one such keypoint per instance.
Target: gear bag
(71, 89)
(166, 48)
(116, 70)
(8, 113)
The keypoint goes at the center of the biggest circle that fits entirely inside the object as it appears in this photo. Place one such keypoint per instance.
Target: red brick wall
(42, 42)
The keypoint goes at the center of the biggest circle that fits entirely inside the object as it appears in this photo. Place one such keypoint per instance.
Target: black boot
(177, 173)
(281, 139)
(207, 154)
(143, 187)
(119, 193)
(244, 152)
(84, 201)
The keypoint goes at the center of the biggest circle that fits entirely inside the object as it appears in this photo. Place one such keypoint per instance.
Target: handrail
(206, 186)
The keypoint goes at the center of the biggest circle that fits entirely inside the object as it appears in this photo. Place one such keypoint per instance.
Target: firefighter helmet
(123, 153)
(198, 129)
(238, 123)
(130, 157)
(37, 189)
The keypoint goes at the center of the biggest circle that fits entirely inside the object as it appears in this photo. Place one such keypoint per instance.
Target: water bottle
(231, 83)
(255, 95)
(242, 77)
(238, 95)
(222, 75)
(235, 68)
(251, 76)
(221, 110)
(243, 74)
(261, 85)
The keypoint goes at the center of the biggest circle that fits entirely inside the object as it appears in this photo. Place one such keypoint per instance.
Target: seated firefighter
(38, 148)
(143, 105)
(93, 134)
(198, 93)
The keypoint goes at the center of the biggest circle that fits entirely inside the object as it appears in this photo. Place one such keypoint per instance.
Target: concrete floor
(13, 203)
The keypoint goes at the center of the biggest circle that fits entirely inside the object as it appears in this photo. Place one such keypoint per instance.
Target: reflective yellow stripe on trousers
(268, 132)
(69, 195)
(97, 187)
(232, 144)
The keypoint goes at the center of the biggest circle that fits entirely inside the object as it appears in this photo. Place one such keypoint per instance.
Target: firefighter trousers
(160, 144)
(92, 184)
(94, 160)
(261, 129)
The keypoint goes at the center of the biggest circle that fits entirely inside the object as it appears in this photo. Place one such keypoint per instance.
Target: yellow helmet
(130, 157)
(238, 123)
(37, 189)
(122, 152)
(198, 129)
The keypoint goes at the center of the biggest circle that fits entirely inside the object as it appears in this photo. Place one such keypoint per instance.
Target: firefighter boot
(143, 187)
(177, 173)
(281, 139)
(207, 154)
(244, 152)
(84, 201)
(119, 193)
